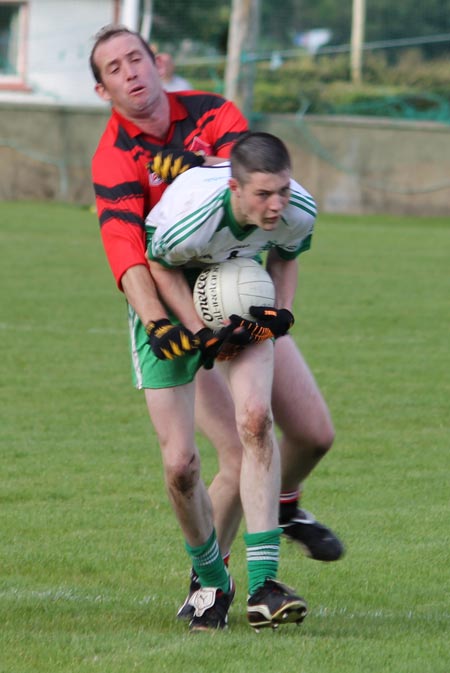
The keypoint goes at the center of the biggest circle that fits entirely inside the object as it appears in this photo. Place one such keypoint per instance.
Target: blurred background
(325, 56)
(359, 89)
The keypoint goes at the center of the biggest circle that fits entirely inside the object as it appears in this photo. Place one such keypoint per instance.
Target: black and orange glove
(250, 332)
(211, 343)
(278, 320)
(271, 323)
(168, 164)
(229, 351)
(169, 341)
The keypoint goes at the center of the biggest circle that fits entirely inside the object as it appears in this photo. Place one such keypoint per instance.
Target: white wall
(60, 37)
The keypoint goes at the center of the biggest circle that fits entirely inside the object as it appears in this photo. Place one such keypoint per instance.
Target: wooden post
(357, 39)
(147, 19)
(249, 67)
(130, 14)
(237, 33)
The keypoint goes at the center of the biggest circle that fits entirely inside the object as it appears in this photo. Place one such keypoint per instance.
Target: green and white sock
(263, 553)
(208, 564)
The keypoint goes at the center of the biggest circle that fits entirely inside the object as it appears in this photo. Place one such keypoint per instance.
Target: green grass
(92, 561)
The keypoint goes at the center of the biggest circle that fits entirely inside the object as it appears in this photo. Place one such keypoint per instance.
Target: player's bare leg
(307, 434)
(250, 380)
(172, 413)
(301, 414)
(215, 417)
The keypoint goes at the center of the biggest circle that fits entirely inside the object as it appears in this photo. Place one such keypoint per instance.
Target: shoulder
(301, 200)
(108, 135)
(196, 185)
(198, 103)
(193, 193)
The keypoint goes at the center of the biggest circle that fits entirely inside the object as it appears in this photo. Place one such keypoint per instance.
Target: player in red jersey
(146, 121)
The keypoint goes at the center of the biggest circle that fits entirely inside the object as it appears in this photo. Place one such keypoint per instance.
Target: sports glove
(277, 320)
(250, 332)
(229, 351)
(167, 164)
(211, 343)
(271, 323)
(169, 341)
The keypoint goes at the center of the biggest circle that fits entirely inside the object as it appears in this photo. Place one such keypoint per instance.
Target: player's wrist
(152, 325)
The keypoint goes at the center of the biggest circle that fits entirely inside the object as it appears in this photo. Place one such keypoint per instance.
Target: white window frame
(16, 81)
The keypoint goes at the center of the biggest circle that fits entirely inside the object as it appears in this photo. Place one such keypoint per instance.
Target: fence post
(357, 39)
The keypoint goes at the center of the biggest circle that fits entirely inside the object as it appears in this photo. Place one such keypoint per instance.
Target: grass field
(92, 562)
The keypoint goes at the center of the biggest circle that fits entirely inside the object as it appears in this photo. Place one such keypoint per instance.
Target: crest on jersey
(154, 180)
(199, 145)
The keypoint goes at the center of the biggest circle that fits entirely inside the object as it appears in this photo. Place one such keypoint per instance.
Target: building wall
(59, 37)
(350, 165)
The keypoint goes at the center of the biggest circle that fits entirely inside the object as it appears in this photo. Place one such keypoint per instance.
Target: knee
(323, 439)
(255, 426)
(316, 442)
(182, 473)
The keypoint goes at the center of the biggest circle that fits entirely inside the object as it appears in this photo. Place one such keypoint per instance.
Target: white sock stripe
(262, 557)
(263, 547)
(289, 496)
(207, 558)
(267, 550)
(263, 554)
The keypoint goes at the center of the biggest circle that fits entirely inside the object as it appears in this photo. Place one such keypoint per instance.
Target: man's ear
(233, 184)
(101, 91)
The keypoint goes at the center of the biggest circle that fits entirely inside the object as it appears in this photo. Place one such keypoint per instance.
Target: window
(12, 36)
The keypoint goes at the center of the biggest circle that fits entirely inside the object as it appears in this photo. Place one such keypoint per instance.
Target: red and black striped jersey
(125, 189)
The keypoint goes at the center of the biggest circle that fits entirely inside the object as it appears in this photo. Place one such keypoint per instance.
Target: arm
(277, 321)
(174, 290)
(167, 340)
(284, 274)
(122, 195)
(141, 293)
(176, 293)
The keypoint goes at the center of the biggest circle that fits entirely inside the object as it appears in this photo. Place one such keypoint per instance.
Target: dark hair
(105, 34)
(258, 152)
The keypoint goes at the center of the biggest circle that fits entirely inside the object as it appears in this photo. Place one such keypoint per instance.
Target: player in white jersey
(299, 410)
(210, 216)
(194, 224)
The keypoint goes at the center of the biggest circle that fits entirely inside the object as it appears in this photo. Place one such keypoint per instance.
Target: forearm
(212, 161)
(141, 293)
(176, 294)
(284, 274)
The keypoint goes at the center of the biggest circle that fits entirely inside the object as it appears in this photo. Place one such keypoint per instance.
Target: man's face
(130, 80)
(261, 200)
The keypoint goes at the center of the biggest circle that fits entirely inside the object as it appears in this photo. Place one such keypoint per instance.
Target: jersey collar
(238, 231)
(177, 111)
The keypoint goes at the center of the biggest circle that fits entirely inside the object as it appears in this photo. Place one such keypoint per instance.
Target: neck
(238, 216)
(155, 119)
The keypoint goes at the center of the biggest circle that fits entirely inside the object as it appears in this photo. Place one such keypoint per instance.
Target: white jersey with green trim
(193, 225)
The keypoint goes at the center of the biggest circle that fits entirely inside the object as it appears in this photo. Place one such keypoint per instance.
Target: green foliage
(414, 79)
(412, 88)
(199, 27)
(202, 27)
(387, 20)
(93, 565)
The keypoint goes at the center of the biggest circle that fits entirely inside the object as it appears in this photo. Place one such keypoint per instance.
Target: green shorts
(150, 372)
